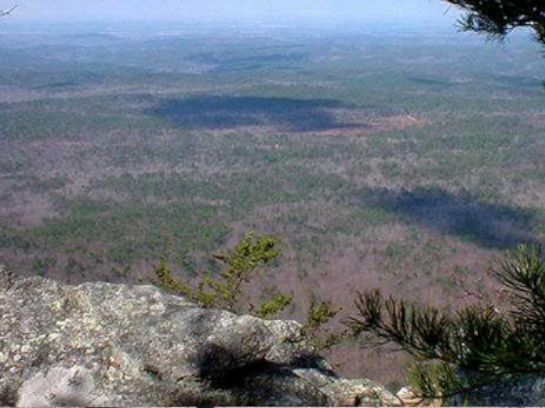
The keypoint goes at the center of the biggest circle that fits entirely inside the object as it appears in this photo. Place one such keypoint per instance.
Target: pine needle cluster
(461, 352)
(226, 290)
(497, 18)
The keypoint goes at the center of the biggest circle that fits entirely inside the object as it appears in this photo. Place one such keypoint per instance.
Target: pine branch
(4, 13)
(474, 347)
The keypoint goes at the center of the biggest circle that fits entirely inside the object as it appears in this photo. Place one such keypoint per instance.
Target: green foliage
(274, 306)
(241, 263)
(319, 315)
(460, 352)
(227, 290)
(499, 17)
(432, 379)
(164, 274)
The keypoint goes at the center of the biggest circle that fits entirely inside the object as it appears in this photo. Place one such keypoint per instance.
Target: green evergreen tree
(226, 290)
(497, 18)
(460, 352)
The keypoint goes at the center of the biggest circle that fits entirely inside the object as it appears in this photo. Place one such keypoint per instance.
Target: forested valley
(395, 158)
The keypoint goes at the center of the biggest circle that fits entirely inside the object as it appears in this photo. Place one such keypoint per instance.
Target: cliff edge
(101, 344)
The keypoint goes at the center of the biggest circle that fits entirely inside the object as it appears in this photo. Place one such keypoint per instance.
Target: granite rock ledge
(101, 344)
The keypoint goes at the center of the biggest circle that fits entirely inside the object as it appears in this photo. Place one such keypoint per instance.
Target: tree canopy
(497, 18)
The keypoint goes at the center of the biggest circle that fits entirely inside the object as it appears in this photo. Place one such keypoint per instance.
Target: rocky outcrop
(411, 399)
(100, 344)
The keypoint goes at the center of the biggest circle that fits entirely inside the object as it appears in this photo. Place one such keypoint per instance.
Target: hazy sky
(411, 11)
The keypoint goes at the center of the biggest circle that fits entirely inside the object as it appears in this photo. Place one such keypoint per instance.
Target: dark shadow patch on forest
(430, 81)
(229, 112)
(226, 62)
(463, 215)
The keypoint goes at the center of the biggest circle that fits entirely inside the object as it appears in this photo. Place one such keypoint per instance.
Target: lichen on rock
(101, 344)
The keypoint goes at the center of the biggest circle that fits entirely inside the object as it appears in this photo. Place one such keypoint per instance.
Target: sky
(409, 11)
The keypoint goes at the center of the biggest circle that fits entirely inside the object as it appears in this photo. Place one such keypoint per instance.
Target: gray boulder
(100, 344)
